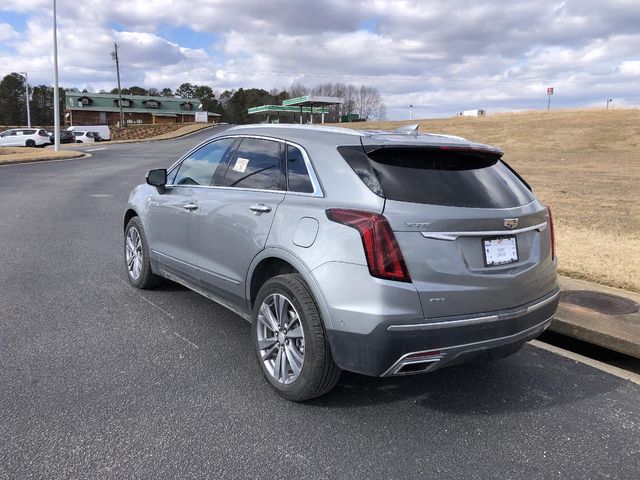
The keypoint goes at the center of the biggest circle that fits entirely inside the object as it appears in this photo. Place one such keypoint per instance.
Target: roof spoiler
(411, 129)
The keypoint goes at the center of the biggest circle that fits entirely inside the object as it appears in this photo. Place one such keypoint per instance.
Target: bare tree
(368, 102)
(363, 100)
(350, 100)
(297, 90)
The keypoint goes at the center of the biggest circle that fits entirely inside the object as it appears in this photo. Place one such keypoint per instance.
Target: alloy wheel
(280, 338)
(133, 252)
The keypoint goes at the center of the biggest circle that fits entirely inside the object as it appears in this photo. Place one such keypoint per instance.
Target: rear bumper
(399, 348)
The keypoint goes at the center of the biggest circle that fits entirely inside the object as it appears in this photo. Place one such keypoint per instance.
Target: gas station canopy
(312, 101)
(283, 108)
(306, 104)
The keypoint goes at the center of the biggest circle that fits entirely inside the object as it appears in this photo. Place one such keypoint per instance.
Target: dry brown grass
(26, 154)
(586, 165)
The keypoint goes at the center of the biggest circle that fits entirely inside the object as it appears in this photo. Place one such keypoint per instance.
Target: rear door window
(447, 177)
(257, 164)
(298, 179)
(200, 166)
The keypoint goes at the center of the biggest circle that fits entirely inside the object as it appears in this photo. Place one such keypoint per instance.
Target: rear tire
(298, 332)
(136, 256)
(30, 143)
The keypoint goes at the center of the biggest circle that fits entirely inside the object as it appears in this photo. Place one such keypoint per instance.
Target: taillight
(384, 257)
(42, 133)
(552, 233)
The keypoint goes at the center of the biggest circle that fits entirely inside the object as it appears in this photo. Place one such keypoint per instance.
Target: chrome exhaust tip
(415, 362)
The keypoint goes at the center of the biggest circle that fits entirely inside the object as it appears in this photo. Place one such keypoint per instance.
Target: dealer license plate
(500, 250)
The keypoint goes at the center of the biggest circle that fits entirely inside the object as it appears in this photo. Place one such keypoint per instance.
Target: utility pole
(26, 90)
(609, 100)
(410, 112)
(114, 55)
(56, 89)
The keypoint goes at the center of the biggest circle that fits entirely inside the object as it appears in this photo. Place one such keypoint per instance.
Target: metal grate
(600, 302)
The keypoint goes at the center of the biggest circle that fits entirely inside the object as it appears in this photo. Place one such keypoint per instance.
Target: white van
(103, 130)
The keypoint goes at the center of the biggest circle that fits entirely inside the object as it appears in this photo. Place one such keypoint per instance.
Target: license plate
(500, 250)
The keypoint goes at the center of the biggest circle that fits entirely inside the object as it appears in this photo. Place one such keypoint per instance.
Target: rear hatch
(473, 235)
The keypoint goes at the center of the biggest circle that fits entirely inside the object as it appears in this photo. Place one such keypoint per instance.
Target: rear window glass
(297, 174)
(446, 177)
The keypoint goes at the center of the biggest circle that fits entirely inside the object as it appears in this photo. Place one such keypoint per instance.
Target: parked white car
(84, 137)
(24, 137)
(103, 130)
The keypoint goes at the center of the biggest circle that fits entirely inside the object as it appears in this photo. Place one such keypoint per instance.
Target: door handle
(189, 207)
(260, 208)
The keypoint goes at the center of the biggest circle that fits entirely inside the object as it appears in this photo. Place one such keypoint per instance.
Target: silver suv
(374, 252)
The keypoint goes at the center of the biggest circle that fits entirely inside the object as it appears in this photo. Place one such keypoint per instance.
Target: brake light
(42, 133)
(552, 233)
(381, 248)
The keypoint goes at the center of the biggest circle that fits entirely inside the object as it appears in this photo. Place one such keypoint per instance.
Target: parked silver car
(374, 252)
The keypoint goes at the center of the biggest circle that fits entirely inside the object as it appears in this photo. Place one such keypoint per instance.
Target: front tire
(136, 256)
(30, 143)
(290, 341)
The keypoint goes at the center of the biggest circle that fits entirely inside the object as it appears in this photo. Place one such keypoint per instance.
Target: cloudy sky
(440, 56)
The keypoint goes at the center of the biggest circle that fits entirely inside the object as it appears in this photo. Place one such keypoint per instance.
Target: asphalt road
(98, 380)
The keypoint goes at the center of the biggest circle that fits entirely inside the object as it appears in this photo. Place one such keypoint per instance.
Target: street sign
(550, 91)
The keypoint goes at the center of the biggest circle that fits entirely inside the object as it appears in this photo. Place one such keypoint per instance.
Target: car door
(235, 216)
(172, 230)
(14, 139)
(5, 138)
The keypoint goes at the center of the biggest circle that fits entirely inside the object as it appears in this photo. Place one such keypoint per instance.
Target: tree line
(232, 105)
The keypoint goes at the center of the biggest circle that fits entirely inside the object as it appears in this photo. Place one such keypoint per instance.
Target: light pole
(26, 90)
(56, 92)
(609, 100)
(410, 112)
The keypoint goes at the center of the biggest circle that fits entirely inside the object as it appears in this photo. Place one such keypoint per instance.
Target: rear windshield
(445, 177)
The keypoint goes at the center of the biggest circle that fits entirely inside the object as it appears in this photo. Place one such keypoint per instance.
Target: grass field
(586, 165)
(26, 154)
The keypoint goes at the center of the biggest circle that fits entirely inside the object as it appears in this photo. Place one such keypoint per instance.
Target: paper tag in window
(241, 164)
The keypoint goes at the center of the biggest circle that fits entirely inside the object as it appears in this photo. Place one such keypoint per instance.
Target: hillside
(586, 165)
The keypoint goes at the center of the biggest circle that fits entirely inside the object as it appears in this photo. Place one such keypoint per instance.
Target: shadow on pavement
(522, 383)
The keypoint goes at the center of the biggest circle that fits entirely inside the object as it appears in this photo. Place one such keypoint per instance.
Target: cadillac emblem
(510, 223)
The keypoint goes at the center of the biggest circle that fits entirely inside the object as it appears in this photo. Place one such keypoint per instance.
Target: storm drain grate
(600, 302)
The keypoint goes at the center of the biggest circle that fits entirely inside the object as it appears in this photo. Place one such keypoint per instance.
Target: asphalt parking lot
(98, 380)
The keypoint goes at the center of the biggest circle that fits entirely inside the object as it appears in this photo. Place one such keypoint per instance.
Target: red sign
(550, 91)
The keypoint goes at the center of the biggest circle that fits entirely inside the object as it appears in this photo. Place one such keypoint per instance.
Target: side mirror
(157, 178)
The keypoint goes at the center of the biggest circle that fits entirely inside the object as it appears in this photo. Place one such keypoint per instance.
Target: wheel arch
(275, 261)
(128, 215)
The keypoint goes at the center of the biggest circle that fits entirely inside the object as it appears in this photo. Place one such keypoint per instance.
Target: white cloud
(7, 32)
(630, 67)
(441, 57)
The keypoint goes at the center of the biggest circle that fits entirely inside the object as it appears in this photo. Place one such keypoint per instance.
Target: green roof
(285, 109)
(312, 100)
(107, 102)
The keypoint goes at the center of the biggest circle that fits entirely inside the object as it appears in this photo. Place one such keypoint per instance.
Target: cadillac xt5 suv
(381, 253)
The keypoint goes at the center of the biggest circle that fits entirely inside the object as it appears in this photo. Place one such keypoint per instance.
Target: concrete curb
(620, 333)
(605, 367)
(77, 156)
